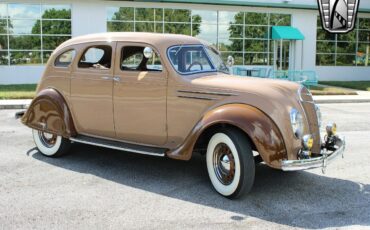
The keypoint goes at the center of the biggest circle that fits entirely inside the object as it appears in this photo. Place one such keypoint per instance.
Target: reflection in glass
(325, 47)
(56, 11)
(120, 26)
(177, 28)
(4, 58)
(144, 14)
(256, 32)
(25, 58)
(227, 17)
(121, 13)
(144, 27)
(346, 47)
(345, 60)
(364, 23)
(56, 27)
(3, 42)
(230, 31)
(206, 32)
(177, 15)
(25, 42)
(52, 42)
(256, 46)
(3, 13)
(46, 55)
(255, 58)
(280, 19)
(24, 10)
(204, 16)
(325, 59)
(24, 26)
(364, 36)
(238, 57)
(3, 26)
(252, 18)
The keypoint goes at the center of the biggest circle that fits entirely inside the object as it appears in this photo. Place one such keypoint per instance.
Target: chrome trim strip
(197, 97)
(117, 148)
(317, 162)
(208, 92)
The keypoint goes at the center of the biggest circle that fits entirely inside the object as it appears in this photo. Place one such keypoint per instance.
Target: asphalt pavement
(97, 188)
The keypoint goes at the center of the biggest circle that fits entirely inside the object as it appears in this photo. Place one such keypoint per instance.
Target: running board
(153, 151)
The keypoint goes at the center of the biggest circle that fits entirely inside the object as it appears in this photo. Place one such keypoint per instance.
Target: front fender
(257, 125)
(49, 112)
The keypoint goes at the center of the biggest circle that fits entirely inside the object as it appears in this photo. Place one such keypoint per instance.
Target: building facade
(30, 30)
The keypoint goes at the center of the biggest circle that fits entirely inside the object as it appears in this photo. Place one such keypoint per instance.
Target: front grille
(311, 116)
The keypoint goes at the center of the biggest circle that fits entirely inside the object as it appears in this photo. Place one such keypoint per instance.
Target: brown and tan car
(172, 96)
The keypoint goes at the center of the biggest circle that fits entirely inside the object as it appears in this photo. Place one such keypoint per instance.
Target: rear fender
(49, 112)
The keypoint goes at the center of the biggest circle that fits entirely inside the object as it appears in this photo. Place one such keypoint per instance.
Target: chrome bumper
(317, 162)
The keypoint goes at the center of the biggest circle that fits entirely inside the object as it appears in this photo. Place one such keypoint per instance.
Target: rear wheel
(50, 145)
(230, 163)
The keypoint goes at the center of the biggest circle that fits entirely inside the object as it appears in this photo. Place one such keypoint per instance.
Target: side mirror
(148, 52)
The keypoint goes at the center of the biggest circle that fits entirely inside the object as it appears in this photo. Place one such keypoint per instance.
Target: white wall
(305, 21)
(343, 73)
(20, 74)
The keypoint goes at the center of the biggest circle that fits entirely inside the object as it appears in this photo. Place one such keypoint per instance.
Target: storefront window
(351, 49)
(30, 32)
(243, 35)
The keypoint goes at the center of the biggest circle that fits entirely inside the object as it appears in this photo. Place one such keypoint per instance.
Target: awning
(286, 33)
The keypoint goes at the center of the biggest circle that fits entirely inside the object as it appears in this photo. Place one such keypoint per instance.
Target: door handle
(117, 79)
(105, 77)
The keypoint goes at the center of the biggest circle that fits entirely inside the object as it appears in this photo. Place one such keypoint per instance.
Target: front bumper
(316, 162)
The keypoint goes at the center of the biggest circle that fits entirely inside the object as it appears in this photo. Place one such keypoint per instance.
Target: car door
(139, 96)
(92, 89)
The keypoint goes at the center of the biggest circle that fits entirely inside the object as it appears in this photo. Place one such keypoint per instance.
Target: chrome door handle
(105, 77)
(116, 79)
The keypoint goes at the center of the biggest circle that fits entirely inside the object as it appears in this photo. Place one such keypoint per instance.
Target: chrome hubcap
(224, 164)
(47, 139)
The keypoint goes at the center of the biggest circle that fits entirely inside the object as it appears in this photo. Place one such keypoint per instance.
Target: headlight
(318, 115)
(296, 121)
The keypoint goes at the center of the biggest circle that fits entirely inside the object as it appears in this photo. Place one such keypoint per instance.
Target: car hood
(249, 85)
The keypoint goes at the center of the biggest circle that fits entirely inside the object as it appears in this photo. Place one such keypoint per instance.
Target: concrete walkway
(362, 97)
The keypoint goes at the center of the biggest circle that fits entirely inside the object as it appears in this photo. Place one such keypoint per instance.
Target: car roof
(158, 40)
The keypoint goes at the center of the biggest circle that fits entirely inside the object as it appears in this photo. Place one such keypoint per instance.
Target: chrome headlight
(296, 121)
(318, 115)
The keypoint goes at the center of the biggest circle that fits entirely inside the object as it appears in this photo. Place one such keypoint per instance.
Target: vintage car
(172, 96)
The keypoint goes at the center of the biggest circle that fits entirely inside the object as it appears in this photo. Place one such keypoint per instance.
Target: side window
(65, 59)
(133, 59)
(96, 57)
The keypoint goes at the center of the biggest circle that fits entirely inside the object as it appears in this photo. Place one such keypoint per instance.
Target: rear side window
(133, 59)
(65, 59)
(96, 57)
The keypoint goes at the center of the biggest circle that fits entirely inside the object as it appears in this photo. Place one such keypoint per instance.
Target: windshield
(190, 59)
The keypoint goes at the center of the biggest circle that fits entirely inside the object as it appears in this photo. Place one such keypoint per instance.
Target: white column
(88, 17)
(305, 52)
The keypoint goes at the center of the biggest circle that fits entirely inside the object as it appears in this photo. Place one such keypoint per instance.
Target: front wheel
(50, 145)
(230, 163)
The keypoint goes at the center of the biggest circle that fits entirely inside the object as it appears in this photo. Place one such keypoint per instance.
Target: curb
(17, 106)
(334, 101)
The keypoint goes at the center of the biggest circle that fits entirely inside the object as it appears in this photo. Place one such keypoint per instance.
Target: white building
(30, 30)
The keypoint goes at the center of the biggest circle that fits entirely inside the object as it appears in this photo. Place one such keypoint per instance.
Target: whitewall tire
(230, 163)
(50, 145)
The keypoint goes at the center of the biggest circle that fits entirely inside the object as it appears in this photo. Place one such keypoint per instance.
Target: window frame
(60, 54)
(127, 44)
(194, 72)
(86, 48)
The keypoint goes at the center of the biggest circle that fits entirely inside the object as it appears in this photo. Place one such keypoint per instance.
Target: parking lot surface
(97, 188)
